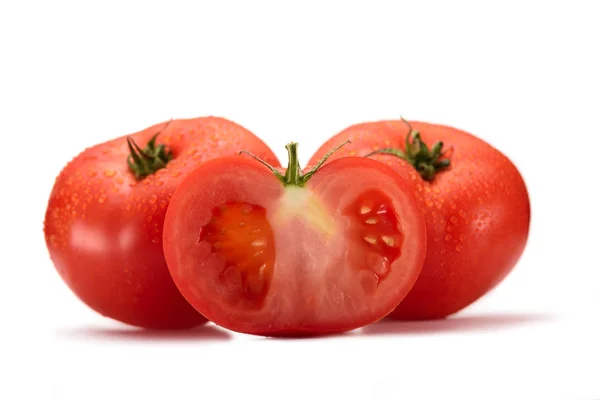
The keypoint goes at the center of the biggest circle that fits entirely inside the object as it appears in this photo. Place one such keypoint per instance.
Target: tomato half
(474, 201)
(260, 252)
(104, 220)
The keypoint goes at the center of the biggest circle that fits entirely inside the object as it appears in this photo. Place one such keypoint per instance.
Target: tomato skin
(103, 229)
(477, 213)
(313, 270)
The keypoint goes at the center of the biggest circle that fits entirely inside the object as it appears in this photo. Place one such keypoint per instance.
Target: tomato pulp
(264, 252)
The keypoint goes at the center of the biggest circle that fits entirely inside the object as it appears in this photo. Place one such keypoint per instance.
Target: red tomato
(474, 201)
(103, 226)
(259, 252)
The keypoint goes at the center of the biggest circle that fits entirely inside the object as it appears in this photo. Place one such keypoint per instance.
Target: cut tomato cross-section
(261, 251)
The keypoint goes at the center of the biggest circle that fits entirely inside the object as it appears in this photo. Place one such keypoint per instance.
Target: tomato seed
(364, 210)
(390, 241)
(370, 239)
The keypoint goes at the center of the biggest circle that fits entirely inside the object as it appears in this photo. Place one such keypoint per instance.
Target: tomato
(262, 252)
(474, 201)
(104, 220)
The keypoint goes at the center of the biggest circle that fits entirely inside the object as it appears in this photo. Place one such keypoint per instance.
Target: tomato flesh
(256, 257)
(241, 235)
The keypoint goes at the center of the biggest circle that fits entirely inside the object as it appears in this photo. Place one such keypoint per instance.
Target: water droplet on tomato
(109, 173)
(102, 198)
(153, 199)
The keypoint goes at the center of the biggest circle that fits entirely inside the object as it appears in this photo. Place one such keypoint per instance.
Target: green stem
(293, 174)
(146, 161)
(427, 162)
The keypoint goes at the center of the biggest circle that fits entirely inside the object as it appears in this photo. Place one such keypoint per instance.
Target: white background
(522, 75)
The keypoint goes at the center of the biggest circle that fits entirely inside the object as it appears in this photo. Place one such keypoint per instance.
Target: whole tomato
(103, 224)
(474, 201)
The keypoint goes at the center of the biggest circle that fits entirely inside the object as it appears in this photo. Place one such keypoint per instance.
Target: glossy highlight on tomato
(287, 253)
(474, 201)
(104, 220)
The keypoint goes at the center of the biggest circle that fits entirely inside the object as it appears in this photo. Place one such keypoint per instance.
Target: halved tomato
(262, 251)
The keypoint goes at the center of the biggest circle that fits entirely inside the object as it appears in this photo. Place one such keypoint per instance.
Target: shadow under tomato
(456, 324)
(308, 336)
(201, 333)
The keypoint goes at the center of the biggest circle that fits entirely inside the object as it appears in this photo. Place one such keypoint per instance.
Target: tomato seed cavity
(378, 230)
(242, 234)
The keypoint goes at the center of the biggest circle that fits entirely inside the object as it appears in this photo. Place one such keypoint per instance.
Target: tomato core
(242, 236)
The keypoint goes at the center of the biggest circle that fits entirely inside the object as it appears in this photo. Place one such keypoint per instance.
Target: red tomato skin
(265, 187)
(103, 229)
(477, 213)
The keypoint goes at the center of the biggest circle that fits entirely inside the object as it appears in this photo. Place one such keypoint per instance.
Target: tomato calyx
(427, 162)
(293, 174)
(146, 161)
